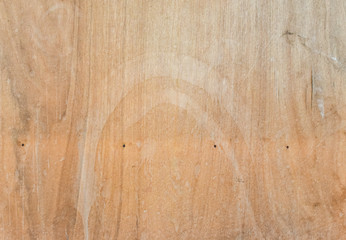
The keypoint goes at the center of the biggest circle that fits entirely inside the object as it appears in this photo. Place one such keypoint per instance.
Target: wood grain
(187, 119)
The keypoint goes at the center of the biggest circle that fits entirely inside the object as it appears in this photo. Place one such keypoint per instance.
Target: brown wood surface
(162, 119)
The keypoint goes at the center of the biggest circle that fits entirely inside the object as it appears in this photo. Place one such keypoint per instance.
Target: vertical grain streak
(119, 213)
(120, 198)
(137, 228)
(138, 202)
(312, 88)
(71, 91)
(88, 93)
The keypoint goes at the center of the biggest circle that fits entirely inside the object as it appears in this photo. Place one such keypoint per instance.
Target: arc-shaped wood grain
(261, 80)
(167, 65)
(112, 167)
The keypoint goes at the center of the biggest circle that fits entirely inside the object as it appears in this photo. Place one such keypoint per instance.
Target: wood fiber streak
(185, 119)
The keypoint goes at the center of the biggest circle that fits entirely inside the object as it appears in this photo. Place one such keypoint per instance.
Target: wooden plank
(172, 119)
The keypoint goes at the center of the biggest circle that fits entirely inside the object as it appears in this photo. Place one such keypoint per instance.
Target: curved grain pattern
(142, 160)
(172, 119)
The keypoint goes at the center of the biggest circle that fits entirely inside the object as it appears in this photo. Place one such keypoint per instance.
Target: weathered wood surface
(172, 119)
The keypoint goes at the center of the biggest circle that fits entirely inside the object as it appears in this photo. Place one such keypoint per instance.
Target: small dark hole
(287, 147)
(214, 146)
(22, 144)
(123, 145)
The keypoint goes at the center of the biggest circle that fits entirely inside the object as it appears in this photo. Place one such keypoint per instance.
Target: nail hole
(287, 147)
(22, 144)
(123, 145)
(214, 146)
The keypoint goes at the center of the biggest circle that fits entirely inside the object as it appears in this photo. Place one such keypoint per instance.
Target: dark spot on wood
(287, 147)
(316, 204)
(23, 145)
(287, 33)
(240, 180)
(214, 146)
(124, 145)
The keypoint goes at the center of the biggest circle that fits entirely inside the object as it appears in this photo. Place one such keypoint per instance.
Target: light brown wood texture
(184, 119)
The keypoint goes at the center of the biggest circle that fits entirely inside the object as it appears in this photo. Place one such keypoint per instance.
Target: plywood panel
(172, 119)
